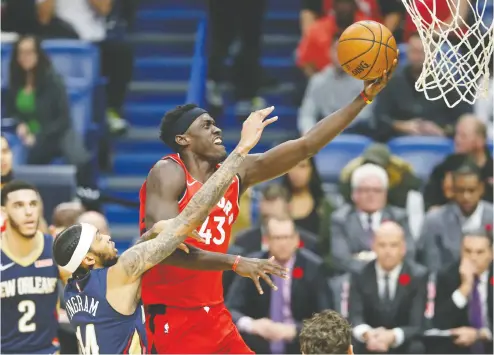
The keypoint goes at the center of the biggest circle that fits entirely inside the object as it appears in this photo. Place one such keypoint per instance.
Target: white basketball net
(457, 54)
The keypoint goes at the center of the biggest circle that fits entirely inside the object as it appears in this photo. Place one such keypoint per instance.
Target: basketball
(366, 49)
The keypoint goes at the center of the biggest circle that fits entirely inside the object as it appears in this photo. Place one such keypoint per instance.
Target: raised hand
(253, 126)
(374, 87)
(259, 268)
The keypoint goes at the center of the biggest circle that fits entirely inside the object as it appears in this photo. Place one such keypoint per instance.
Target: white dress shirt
(394, 274)
(461, 301)
(474, 221)
(375, 217)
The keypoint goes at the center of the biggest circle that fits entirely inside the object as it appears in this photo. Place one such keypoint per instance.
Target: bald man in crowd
(387, 297)
(96, 219)
(65, 215)
(470, 148)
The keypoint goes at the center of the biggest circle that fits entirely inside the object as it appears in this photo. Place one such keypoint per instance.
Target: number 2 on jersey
(28, 308)
(90, 345)
(206, 232)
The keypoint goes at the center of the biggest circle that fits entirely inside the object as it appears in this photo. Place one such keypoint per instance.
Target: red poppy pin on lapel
(297, 273)
(404, 279)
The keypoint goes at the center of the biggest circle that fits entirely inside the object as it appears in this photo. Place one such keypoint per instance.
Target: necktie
(370, 230)
(475, 315)
(387, 293)
(276, 313)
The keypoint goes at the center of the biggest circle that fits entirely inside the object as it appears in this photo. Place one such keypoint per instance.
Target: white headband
(85, 240)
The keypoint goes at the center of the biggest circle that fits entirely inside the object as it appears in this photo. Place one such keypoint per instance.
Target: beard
(15, 226)
(110, 262)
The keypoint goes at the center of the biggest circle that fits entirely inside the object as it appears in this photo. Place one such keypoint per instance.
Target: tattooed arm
(141, 257)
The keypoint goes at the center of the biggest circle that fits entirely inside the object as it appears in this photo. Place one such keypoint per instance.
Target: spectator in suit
(402, 179)
(464, 297)
(273, 203)
(353, 226)
(309, 207)
(326, 333)
(440, 240)
(271, 323)
(470, 147)
(387, 298)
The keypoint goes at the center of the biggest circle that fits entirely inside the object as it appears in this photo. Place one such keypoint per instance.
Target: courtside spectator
(96, 219)
(270, 323)
(309, 207)
(37, 100)
(401, 176)
(273, 203)
(321, 99)
(353, 226)
(470, 148)
(389, 317)
(402, 111)
(440, 240)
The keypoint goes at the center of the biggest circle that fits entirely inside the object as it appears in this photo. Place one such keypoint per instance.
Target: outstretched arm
(280, 159)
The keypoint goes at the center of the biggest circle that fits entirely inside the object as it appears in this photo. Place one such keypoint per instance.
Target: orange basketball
(366, 49)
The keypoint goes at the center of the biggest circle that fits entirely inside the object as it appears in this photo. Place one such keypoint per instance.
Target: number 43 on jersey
(217, 224)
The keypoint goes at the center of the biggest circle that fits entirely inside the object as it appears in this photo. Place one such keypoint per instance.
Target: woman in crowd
(308, 205)
(37, 100)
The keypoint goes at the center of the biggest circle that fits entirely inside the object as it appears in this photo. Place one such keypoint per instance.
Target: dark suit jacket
(447, 315)
(406, 311)
(309, 294)
(250, 240)
(348, 237)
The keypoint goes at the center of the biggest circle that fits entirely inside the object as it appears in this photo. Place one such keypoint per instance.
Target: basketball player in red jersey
(185, 310)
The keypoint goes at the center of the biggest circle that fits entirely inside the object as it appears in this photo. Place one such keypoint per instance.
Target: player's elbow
(306, 148)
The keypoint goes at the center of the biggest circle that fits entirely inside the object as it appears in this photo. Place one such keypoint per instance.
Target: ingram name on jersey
(29, 301)
(99, 328)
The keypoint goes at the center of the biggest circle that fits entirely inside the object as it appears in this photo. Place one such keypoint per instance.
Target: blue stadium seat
(333, 158)
(74, 59)
(490, 145)
(56, 184)
(6, 52)
(417, 143)
(423, 153)
(19, 153)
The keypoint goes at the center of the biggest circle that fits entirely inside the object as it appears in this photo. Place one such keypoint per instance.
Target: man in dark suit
(387, 298)
(273, 203)
(271, 323)
(353, 226)
(464, 298)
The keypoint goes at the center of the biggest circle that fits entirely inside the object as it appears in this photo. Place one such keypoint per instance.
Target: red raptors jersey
(178, 287)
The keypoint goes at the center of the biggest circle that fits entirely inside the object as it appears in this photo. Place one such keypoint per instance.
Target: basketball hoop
(457, 50)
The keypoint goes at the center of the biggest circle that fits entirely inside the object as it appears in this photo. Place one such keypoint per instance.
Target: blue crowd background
(113, 110)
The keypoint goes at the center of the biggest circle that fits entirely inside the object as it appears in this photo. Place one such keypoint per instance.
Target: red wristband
(366, 99)
(235, 264)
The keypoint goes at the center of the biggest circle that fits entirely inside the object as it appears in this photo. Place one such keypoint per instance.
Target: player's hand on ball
(259, 268)
(374, 87)
(253, 126)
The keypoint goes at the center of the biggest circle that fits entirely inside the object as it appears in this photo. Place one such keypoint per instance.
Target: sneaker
(116, 124)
